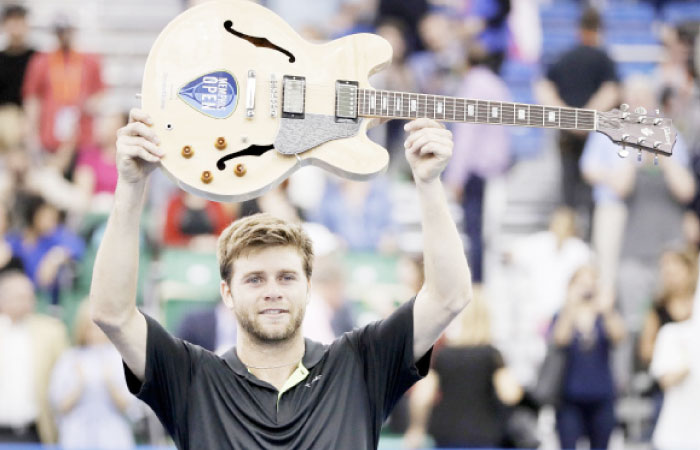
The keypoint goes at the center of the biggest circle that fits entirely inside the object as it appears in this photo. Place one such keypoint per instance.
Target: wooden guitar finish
(240, 101)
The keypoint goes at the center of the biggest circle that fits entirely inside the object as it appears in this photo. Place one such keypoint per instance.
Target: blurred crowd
(581, 330)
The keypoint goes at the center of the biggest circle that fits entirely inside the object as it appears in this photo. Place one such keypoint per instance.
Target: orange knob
(187, 151)
(240, 170)
(220, 143)
(207, 177)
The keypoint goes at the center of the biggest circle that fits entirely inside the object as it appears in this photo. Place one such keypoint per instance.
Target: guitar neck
(403, 105)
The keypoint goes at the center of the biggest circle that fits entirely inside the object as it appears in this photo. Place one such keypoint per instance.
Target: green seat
(189, 280)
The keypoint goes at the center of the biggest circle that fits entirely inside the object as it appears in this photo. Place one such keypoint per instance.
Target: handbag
(551, 376)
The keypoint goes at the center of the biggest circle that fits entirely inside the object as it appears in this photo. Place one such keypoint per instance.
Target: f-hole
(257, 41)
(253, 150)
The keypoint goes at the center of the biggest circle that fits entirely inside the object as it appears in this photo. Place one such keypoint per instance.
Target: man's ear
(226, 295)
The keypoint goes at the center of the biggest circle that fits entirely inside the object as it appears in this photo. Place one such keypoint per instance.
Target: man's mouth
(273, 311)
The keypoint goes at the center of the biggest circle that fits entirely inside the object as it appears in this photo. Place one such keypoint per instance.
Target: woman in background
(587, 328)
(461, 401)
(88, 392)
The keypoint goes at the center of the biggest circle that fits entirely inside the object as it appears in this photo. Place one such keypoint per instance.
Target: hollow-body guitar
(240, 101)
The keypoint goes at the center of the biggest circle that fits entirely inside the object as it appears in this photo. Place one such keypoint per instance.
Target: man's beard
(250, 322)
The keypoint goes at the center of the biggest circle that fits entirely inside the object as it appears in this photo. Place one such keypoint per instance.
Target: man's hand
(137, 148)
(428, 149)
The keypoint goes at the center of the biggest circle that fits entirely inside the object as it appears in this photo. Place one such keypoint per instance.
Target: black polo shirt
(346, 391)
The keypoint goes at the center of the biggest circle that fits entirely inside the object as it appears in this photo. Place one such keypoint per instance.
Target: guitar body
(207, 65)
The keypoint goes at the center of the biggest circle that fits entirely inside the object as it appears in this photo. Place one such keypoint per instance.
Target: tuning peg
(656, 159)
(625, 137)
(641, 119)
(624, 107)
(639, 156)
(640, 110)
(641, 140)
(657, 121)
(658, 112)
(657, 144)
(623, 153)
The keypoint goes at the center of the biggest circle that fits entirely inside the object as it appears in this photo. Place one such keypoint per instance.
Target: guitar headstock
(638, 130)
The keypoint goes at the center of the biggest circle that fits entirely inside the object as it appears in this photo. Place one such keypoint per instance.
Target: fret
(536, 118)
(454, 108)
(425, 105)
(585, 119)
(482, 111)
(440, 107)
(413, 105)
(494, 112)
(430, 105)
(385, 101)
(552, 117)
(568, 118)
(521, 114)
(508, 113)
(398, 104)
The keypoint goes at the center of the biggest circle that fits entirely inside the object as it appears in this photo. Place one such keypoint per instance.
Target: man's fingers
(136, 151)
(140, 129)
(421, 138)
(424, 122)
(138, 141)
(139, 115)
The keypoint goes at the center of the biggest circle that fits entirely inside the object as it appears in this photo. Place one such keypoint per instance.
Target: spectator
(586, 328)
(13, 63)
(87, 392)
(486, 23)
(96, 168)
(45, 247)
(437, 68)
(8, 260)
(483, 154)
(194, 221)
(656, 202)
(212, 328)
(548, 260)
(460, 402)
(409, 12)
(673, 305)
(678, 270)
(358, 212)
(328, 314)
(397, 77)
(676, 366)
(30, 344)
(62, 93)
(583, 77)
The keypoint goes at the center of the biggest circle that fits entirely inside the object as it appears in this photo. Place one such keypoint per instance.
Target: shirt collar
(313, 353)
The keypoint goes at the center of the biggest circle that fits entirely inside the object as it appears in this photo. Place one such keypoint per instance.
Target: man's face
(16, 29)
(17, 297)
(268, 293)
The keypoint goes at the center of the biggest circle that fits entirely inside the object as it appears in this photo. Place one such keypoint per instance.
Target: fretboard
(402, 105)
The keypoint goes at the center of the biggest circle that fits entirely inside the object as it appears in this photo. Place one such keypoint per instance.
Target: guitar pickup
(346, 101)
(293, 97)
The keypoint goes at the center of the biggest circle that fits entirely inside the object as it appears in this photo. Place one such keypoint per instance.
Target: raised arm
(113, 290)
(447, 288)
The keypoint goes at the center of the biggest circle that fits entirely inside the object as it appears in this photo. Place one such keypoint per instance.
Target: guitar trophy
(240, 101)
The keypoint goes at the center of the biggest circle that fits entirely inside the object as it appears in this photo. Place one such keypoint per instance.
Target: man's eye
(254, 280)
(289, 277)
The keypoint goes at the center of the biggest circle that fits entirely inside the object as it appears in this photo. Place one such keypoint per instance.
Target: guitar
(240, 101)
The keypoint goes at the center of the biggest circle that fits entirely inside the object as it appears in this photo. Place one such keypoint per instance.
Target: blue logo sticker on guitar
(214, 94)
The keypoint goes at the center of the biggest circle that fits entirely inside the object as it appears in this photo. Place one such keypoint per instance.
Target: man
(61, 93)
(30, 345)
(583, 77)
(275, 389)
(13, 63)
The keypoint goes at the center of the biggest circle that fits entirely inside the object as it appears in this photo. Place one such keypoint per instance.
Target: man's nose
(274, 291)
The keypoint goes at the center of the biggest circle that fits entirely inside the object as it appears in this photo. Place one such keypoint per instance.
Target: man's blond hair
(258, 232)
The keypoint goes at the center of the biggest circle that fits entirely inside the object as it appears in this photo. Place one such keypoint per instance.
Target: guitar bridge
(293, 97)
(346, 101)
